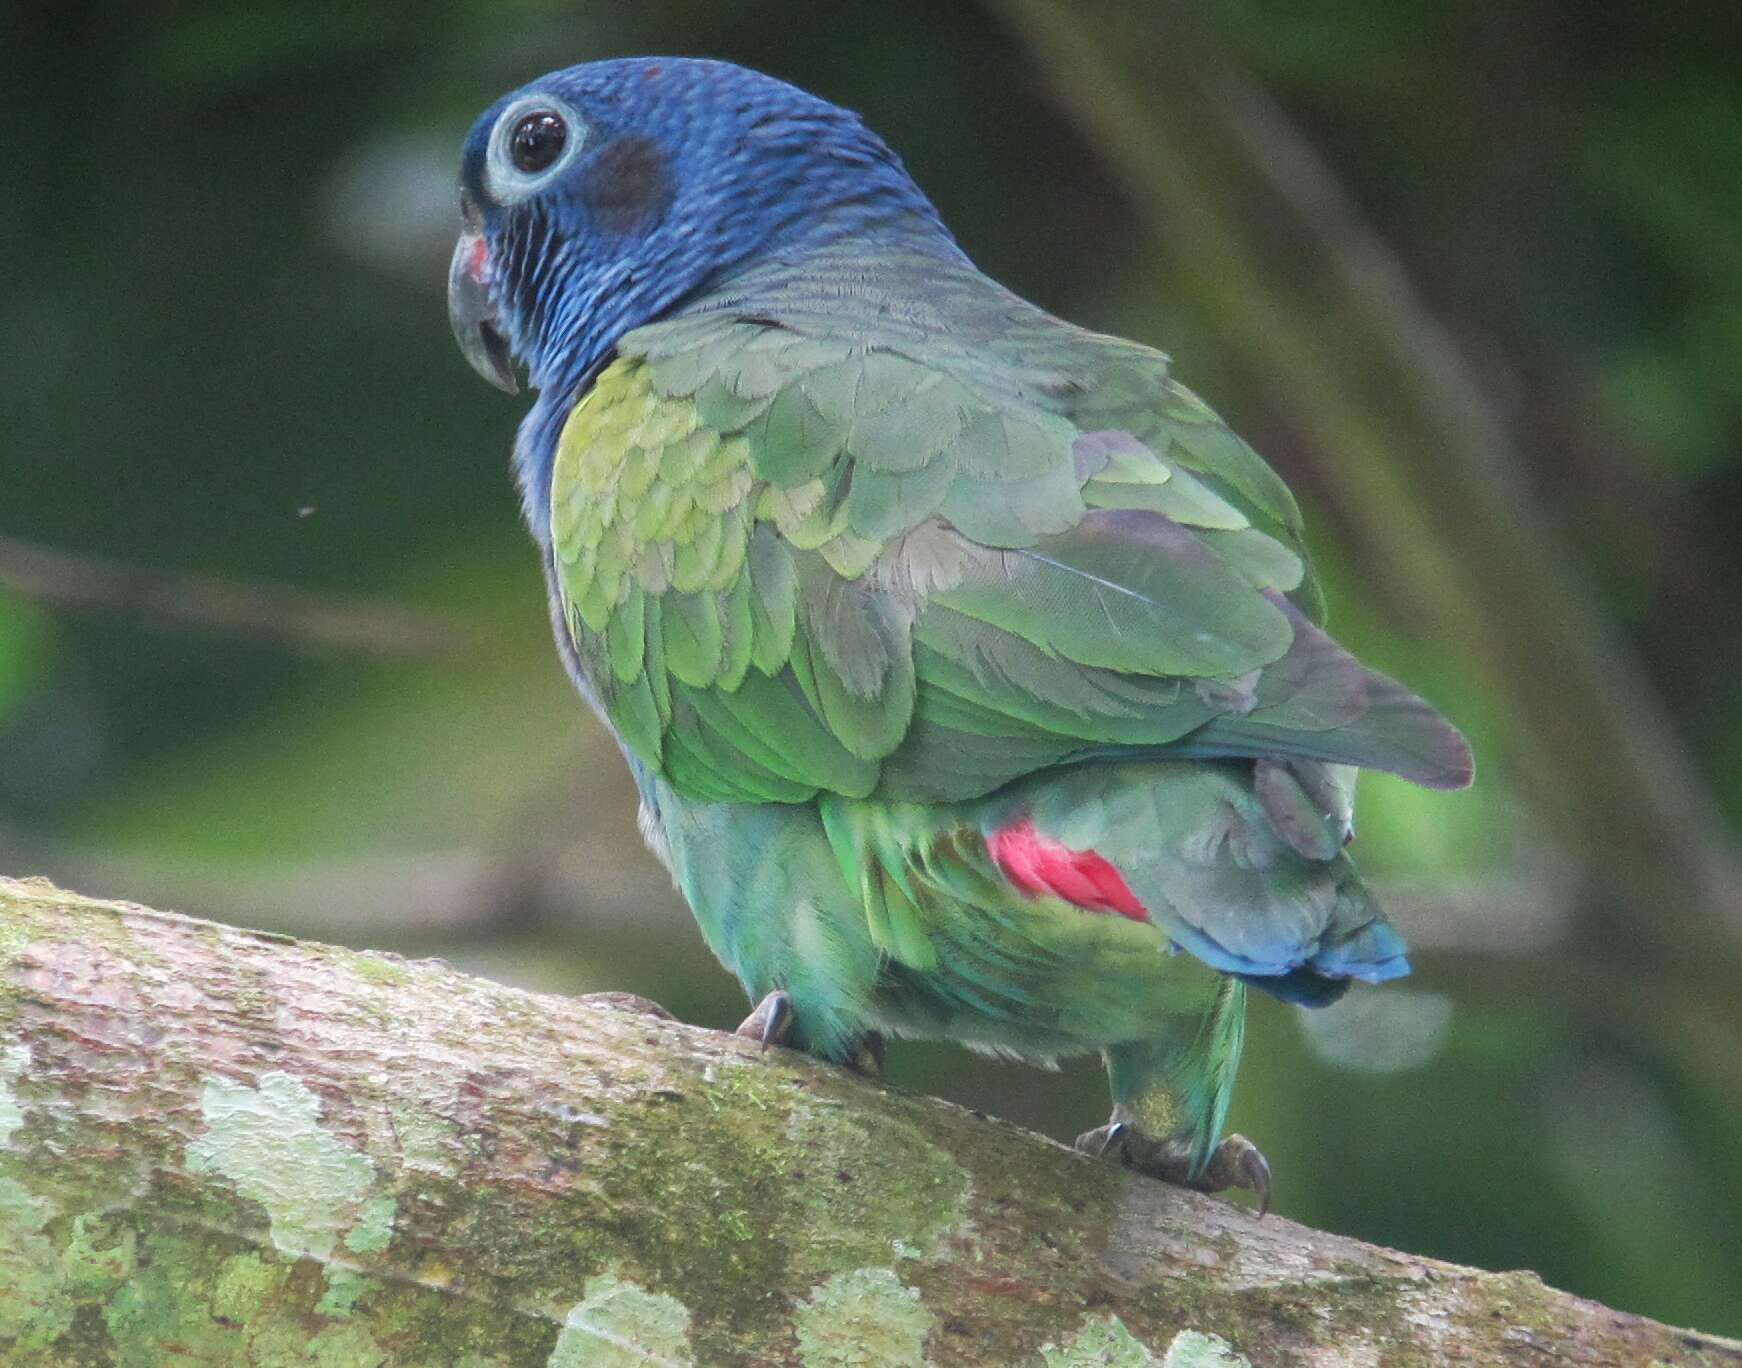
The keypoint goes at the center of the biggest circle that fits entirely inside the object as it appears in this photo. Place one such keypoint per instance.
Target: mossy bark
(220, 1147)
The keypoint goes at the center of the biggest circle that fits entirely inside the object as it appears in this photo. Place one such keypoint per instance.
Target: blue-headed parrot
(970, 669)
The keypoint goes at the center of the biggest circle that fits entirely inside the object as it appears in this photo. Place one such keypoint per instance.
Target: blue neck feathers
(690, 176)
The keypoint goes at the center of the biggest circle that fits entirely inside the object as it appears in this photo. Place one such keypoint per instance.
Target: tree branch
(224, 1147)
(294, 618)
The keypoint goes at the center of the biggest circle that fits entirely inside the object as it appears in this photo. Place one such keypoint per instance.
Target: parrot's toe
(771, 1022)
(1097, 1142)
(1169, 1159)
(1236, 1162)
(870, 1055)
(1239, 1163)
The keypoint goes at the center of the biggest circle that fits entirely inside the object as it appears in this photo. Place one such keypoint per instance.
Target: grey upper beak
(474, 318)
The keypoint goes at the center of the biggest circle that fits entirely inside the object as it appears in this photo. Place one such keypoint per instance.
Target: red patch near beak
(1041, 866)
(477, 259)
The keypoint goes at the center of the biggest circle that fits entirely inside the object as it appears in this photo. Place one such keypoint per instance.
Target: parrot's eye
(534, 139)
(537, 141)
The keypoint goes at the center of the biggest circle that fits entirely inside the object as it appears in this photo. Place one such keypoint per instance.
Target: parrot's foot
(870, 1055)
(1235, 1163)
(771, 1022)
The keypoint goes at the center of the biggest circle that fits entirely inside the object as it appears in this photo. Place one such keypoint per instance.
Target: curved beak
(473, 316)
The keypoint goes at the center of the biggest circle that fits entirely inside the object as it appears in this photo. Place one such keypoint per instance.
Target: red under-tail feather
(1038, 864)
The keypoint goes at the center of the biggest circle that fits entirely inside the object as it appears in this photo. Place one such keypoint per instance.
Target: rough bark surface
(222, 1147)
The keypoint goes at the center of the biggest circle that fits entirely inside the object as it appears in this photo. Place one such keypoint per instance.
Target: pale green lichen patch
(1102, 1341)
(14, 1060)
(268, 1141)
(198, 1301)
(344, 1286)
(619, 1325)
(287, 1345)
(872, 1188)
(793, 1182)
(425, 1139)
(23, 923)
(379, 968)
(42, 1286)
(140, 1298)
(101, 1255)
(244, 1283)
(374, 1229)
(34, 1309)
(37, 913)
(1194, 1349)
(171, 1306)
(866, 1316)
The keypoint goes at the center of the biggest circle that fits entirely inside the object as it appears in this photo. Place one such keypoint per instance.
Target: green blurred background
(273, 647)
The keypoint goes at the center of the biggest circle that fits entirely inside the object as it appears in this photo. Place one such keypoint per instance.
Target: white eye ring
(506, 182)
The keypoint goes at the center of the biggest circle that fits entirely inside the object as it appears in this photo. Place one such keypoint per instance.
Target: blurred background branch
(1419, 458)
(289, 617)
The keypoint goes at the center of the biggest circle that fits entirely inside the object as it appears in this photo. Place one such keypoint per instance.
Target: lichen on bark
(223, 1148)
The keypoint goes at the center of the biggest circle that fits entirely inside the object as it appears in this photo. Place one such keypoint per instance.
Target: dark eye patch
(627, 184)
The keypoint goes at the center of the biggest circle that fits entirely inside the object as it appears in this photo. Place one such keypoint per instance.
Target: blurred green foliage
(224, 350)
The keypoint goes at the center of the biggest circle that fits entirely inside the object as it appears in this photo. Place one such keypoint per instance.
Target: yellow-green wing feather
(793, 566)
(798, 559)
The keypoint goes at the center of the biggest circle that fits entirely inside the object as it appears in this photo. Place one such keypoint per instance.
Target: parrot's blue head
(598, 198)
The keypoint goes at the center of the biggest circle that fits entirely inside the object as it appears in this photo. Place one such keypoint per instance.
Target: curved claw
(870, 1055)
(771, 1021)
(1238, 1162)
(1098, 1142)
(1256, 1170)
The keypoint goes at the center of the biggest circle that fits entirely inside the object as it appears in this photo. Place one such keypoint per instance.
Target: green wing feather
(881, 529)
